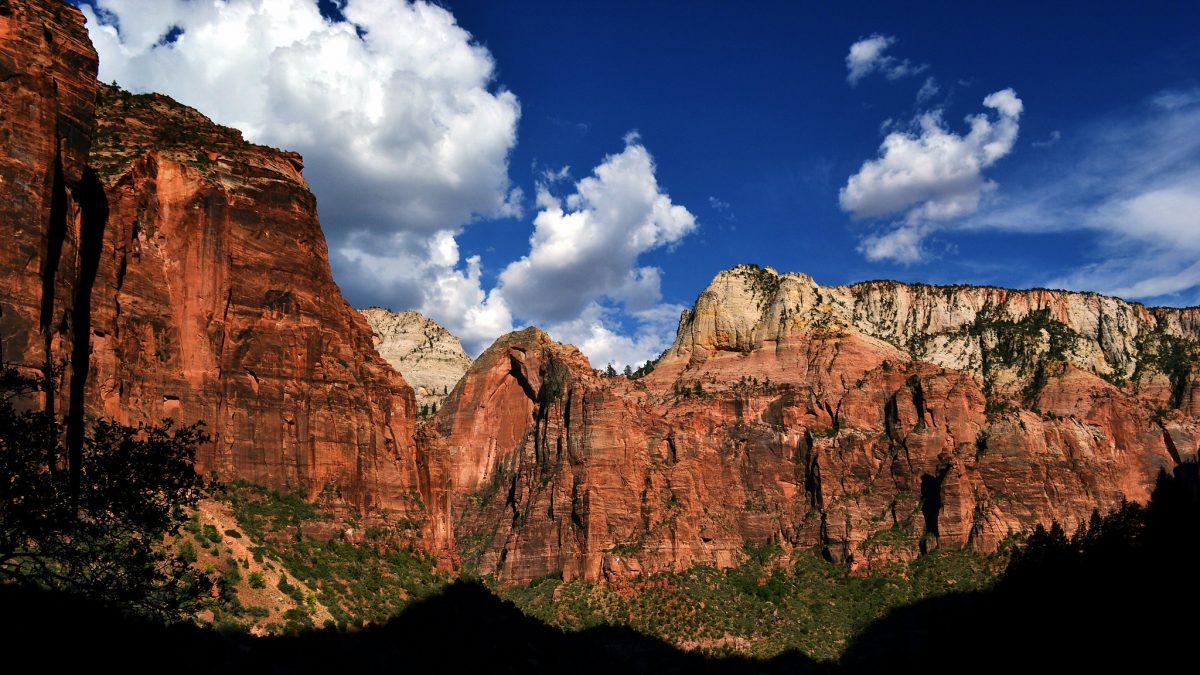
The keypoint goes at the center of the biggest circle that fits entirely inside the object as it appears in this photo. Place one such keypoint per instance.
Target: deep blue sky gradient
(748, 103)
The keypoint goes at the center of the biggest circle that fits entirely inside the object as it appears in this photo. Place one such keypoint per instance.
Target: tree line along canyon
(163, 267)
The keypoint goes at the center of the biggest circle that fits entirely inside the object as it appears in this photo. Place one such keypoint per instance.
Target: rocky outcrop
(1005, 336)
(871, 421)
(215, 302)
(430, 358)
(166, 268)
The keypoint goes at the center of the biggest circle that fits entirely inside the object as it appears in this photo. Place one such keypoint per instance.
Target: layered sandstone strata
(870, 421)
(163, 267)
(215, 302)
(51, 208)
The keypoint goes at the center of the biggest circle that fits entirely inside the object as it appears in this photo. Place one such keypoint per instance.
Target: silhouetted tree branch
(108, 542)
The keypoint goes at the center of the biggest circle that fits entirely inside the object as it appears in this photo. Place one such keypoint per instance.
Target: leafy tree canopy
(108, 541)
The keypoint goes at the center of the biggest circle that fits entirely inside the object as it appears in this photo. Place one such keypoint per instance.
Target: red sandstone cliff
(47, 96)
(206, 271)
(182, 272)
(871, 421)
(215, 301)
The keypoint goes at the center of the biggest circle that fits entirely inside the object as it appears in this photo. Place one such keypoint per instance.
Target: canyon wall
(161, 266)
(183, 271)
(51, 210)
(872, 422)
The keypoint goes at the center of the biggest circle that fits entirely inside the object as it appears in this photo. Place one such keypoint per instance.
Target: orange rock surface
(215, 302)
(47, 96)
(206, 272)
(170, 269)
(788, 412)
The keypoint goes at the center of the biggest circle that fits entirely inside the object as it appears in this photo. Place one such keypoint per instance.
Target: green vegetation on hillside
(764, 607)
(359, 574)
(770, 604)
(1175, 357)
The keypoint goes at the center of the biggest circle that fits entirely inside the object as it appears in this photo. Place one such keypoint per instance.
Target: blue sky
(699, 135)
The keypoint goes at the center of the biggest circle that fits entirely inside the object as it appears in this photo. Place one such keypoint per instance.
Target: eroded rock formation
(51, 210)
(430, 358)
(168, 268)
(872, 421)
(190, 266)
(215, 301)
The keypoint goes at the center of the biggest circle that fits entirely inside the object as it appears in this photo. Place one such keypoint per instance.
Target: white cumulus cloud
(585, 247)
(931, 173)
(868, 56)
(598, 333)
(1129, 183)
(426, 273)
(405, 133)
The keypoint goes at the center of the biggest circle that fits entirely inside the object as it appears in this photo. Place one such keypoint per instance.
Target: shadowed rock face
(873, 421)
(430, 358)
(47, 96)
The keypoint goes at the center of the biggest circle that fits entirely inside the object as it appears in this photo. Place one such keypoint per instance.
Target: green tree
(186, 551)
(134, 485)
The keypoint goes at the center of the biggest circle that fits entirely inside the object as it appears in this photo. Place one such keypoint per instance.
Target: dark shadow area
(931, 503)
(464, 629)
(1122, 592)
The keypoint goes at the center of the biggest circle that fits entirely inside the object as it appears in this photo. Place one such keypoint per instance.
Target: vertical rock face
(163, 267)
(47, 95)
(430, 358)
(215, 301)
(167, 268)
(872, 421)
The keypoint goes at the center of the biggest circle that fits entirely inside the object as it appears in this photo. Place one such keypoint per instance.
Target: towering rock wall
(215, 301)
(47, 96)
(430, 358)
(190, 267)
(872, 421)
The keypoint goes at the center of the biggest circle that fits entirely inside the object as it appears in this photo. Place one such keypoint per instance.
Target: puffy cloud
(931, 173)
(867, 56)
(407, 270)
(393, 108)
(405, 136)
(585, 248)
(902, 245)
(598, 333)
(1131, 181)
